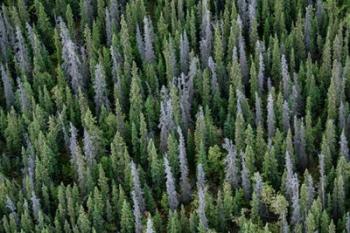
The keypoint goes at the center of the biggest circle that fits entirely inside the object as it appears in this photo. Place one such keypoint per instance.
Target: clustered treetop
(174, 116)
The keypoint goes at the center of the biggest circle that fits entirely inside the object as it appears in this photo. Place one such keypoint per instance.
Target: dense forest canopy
(175, 116)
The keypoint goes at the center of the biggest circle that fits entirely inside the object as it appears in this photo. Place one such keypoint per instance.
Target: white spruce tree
(87, 11)
(320, 13)
(35, 205)
(251, 10)
(201, 189)
(8, 86)
(261, 74)
(185, 185)
(308, 27)
(112, 20)
(148, 39)
(243, 60)
(257, 193)
(243, 11)
(344, 148)
(258, 113)
(137, 213)
(186, 91)
(31, 162)
(347, 222)
(289, 175)
(77, 158)
(73, 143)
(296, 215)
(341, 116)
(150, 228)
(114, 11)
(89, 148)
(245, 177)
(322, 184)
(310, 190)
(286, 116)
(284, 223)
(231, 169)
(137, 189)
(24, 97)
(299, 142)
(22, 54)
(139, 42)
(116, 64)
(9, 204)
(184, 52)
(31, 36)
(206, 34)
(214, 80)
(166, 121)
(285, 78)
(4, 37)
(185, 87)
(108, 26)
(270, 117)
(295, 97)
(170, 185)
(100, 88)
(72, 63)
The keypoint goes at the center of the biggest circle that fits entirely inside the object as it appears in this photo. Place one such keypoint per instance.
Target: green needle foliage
(174, 116)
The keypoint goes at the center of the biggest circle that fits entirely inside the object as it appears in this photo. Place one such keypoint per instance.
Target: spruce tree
(7, 85)
(201, 190)
(138, 192)
(170, 185)
(231, 170)
(126, 219)
(72, 63)
(185, 185)
(101, 95)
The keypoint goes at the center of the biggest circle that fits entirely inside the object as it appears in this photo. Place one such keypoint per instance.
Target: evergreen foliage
(174, 116)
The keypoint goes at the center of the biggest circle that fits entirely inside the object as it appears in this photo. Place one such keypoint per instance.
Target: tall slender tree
(170, 185)
(185, 185)
(201, 189)
(72, 63)
(137, 189)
